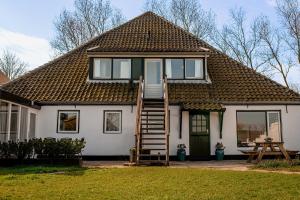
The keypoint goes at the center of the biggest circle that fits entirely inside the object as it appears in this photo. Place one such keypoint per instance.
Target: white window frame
(113, 66)
(77, 121)
(94, 66)
(194, 77)
(105, 112)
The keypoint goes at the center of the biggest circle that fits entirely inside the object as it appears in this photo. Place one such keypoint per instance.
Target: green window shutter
(137, 68)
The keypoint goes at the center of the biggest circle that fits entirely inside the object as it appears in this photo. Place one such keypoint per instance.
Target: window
(14, 122)
(121, 68)
(23, 124)
(32, 125)
(112, 121)
(256, 126)
(102, 68)
(3, 121)
(68, 121)
(175, 68)
(194, 69)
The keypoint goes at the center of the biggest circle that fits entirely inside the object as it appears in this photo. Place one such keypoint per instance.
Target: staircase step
(153, 133)
(158, 149)
(153, 144)
(152, 155)
(154, 114)
(152, 119)
(155, 111)
(155, 124)
(153, 138)
(154, 128)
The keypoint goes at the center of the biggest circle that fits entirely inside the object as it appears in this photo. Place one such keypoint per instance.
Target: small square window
(194, 69)
(102, 68)
(112, 121)
(68, 121)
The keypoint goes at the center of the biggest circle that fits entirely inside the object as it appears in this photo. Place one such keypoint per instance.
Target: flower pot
(219, 154)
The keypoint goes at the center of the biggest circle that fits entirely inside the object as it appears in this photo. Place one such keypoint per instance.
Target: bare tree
(185, 13)
(159, 7)
(11, 65)
(89, 19)
(273, 48)
(241, 42)
(289, 11)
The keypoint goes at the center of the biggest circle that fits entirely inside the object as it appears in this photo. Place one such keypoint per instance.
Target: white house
(95, 92)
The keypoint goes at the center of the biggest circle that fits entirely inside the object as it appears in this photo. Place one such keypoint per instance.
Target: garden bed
(10, 162)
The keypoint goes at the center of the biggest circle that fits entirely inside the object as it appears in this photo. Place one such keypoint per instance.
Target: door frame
(207, 113)
(161, 71)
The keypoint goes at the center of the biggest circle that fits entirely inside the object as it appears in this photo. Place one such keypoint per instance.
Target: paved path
(240, 165)
(233, 165)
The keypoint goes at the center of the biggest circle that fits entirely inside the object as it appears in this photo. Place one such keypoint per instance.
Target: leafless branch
(11, 65)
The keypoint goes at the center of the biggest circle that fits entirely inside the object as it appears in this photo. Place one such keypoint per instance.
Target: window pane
(14, 122)
(194, 68)
(23, 125)
(121, 68)
(68, 121)
(112, 121)
(32, 125)
(174, 68)
(251, 126)
(102, 68)
(274, 126)
(3, 121)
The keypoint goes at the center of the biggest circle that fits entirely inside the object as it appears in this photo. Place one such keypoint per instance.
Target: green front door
(199, 136)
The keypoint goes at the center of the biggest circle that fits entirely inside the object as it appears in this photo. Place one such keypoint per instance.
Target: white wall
(91, 128)
(98, 143)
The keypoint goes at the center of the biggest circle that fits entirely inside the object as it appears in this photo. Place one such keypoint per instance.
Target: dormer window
(121, 68)
(188, 68)
(107, 68)
(175, 68)
(194, 69)
(102, 68)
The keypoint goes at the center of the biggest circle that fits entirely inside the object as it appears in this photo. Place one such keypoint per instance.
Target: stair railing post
(166, 108)
(139, 103)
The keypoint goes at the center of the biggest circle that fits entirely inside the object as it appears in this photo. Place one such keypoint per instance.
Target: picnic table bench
(268, 148)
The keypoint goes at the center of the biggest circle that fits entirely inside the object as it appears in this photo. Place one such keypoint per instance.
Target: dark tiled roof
(208, 106)
(64, 80)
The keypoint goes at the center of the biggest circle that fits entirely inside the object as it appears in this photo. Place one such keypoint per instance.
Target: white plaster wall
(290, 117)
(91, 128)
(98, 143)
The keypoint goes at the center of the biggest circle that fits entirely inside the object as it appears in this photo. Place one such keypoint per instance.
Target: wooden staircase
(152, 128)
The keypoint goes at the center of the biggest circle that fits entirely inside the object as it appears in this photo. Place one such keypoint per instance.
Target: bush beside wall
(48, 148)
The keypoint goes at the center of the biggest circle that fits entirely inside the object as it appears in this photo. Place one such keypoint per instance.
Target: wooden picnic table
(268, 148)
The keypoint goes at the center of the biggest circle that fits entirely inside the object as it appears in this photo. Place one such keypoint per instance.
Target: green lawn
(144, 183)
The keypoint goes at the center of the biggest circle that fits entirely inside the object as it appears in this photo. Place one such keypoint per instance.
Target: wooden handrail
(139, 104)
(166, 109)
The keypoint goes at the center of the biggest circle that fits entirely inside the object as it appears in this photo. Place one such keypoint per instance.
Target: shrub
(272, 164)
(42, 148)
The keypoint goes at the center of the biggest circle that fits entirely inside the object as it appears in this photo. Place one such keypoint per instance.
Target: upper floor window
(185, 68)
(175, 68)
(121, 68)
(106, 68)
(194, 69)
(102, 68)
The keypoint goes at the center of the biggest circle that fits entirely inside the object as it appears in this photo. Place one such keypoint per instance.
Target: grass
(144, 183)
(279, 165)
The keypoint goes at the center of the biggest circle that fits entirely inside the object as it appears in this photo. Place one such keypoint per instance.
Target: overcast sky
(26, 26)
